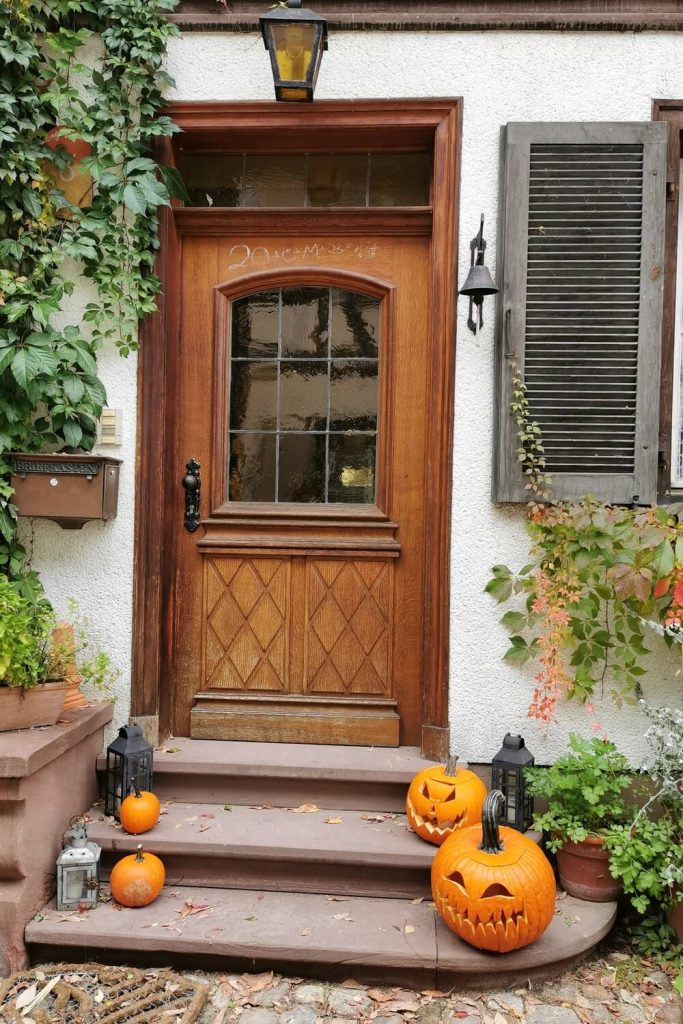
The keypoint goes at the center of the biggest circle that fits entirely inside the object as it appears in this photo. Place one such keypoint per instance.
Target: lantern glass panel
(293, 44)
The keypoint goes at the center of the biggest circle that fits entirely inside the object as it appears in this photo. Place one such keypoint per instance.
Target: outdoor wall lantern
(507, 775)
(78, 870)
(479, 282)
(295, 39)
(130, 758)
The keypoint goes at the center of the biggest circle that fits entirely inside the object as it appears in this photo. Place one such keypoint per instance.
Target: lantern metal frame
(294, 13)
(78, 870)
(130, 758)
(507, 775)
(479, 282)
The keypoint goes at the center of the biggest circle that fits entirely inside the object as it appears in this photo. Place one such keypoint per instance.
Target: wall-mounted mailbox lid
(70, 489)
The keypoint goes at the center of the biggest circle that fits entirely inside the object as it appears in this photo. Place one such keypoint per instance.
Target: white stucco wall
(502, 77)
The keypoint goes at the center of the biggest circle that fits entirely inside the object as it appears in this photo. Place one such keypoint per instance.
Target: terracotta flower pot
(23, 709)
(584, 871)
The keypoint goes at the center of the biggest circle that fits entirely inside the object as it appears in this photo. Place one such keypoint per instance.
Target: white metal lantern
(78, 871)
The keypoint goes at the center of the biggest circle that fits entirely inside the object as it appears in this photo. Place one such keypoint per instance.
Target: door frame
(390, 125)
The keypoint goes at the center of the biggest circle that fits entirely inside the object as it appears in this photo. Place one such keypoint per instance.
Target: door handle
(193, 489)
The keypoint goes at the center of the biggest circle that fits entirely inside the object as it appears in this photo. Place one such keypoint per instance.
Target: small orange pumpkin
(443, 799)
(139, 812)
(137, 879)
(493, 887)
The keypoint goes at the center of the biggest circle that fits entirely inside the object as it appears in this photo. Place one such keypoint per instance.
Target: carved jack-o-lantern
(493, 887)
(441, 800)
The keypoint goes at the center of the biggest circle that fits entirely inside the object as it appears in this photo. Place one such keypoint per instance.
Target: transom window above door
(304, 366)
(306, 179)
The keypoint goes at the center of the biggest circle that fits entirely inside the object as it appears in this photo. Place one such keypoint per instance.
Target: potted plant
(33, 667)
(586, 796)
(647, 853)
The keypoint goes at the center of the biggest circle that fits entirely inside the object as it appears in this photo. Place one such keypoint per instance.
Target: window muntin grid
(304, 366)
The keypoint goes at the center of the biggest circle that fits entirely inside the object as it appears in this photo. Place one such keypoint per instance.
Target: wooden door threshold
(279, 718)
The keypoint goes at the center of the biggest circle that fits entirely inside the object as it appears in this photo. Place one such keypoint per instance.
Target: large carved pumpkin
(493, 887)
(443, 799)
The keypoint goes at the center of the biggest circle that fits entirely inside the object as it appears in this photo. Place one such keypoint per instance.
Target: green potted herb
(585, 791)
(647, 853)
(35, 671)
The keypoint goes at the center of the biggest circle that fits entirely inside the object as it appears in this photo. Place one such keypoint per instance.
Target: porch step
(378, 940)
(284, 774)
(241, 847)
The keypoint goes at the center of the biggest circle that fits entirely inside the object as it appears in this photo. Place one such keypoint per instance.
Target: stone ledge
(25, 751)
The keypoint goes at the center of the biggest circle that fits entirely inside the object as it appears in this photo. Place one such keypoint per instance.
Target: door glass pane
(274, 180)
(253, 395)
(252, 467)
(355, 324)
(303, 416)
(302, 467)
(305, 315)
(351, 468)
(303, 395)
(400, 179)
(337, 179)
(353, 395)
(255, 326)
(212, 179)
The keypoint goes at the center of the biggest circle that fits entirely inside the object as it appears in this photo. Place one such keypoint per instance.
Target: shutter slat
(582, 240)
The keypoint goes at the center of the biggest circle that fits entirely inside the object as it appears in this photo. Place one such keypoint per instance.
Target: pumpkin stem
(452, 764)
(138, 856)
(491, 814)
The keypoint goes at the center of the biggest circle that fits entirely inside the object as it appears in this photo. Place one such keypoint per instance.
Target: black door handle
(193, 488)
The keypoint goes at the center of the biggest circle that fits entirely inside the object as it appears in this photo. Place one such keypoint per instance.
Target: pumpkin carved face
(441, 800)
(493, 887)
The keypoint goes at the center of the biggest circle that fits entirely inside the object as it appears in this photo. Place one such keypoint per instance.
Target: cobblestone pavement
(608, 987)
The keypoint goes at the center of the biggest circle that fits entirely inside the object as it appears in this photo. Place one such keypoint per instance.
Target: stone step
(328, 851)
(377, 940)
(284, 774)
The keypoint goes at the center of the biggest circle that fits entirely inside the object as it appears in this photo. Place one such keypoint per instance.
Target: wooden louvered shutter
(581, 240)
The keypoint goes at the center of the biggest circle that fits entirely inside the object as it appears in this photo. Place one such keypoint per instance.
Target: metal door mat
(96, 994)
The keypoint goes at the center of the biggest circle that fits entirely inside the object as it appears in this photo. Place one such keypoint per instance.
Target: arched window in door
(304, 365)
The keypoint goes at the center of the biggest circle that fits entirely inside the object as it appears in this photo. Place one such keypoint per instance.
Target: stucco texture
(502, 77)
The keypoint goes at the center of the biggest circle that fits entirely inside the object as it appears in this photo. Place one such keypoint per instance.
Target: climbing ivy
(51, 393)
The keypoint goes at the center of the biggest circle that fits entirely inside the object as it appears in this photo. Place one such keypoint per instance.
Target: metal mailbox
(69, 489)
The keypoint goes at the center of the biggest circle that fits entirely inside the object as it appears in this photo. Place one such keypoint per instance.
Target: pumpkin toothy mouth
(500, 920)
(444, 828)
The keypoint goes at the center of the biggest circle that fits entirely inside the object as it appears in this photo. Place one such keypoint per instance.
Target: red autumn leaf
(661, 587)
(678, 592)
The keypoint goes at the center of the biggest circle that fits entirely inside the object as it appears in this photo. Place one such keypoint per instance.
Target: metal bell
(479, 282)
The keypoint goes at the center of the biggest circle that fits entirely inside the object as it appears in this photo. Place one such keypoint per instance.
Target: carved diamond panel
(348, 628)
(246, 639)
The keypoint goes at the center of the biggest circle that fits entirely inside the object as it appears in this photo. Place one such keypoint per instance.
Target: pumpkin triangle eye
(495, 890)
(456, 876)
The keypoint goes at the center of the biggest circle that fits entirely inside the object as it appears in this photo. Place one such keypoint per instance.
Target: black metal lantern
(130, 758)
(479, 282)
(295, 39)
(507, 775)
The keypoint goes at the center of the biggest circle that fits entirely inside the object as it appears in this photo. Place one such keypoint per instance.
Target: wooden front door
(305, 401)
(303, 357)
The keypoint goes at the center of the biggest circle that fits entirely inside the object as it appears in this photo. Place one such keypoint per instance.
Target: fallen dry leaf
(338, 899)
(372, 817)
(307, 931)
(432, 993)
(26, 997)
(333, 821)
(400, 1006)
(304, 809)
(343, 917)
(256, 982)
(380, 996)
(189, 908)
(420, 899)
